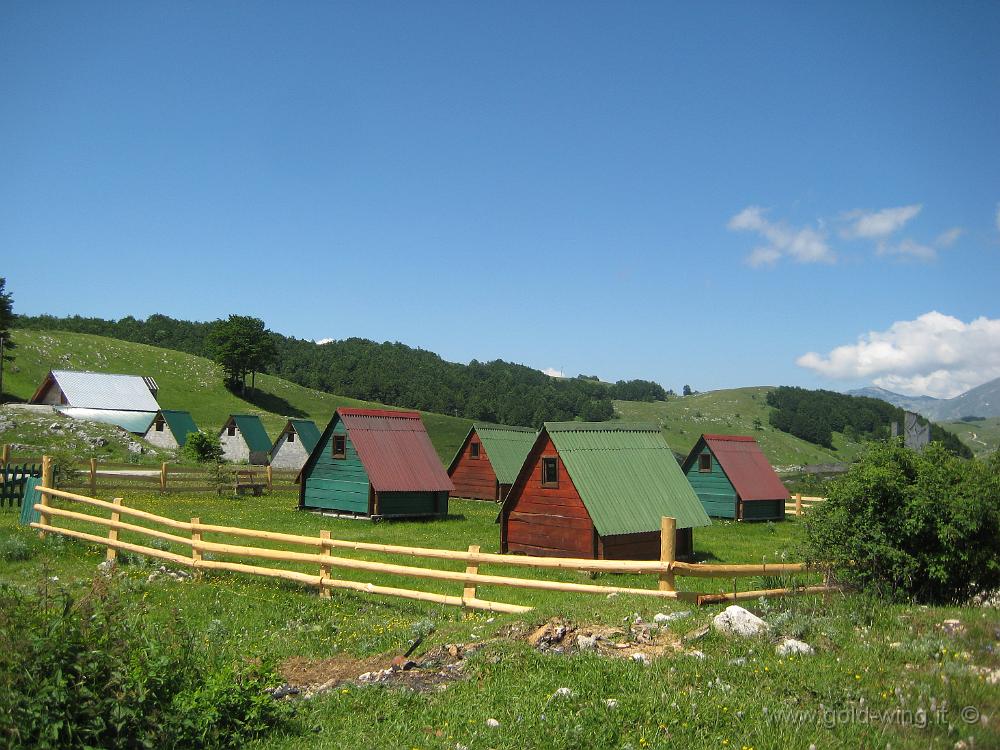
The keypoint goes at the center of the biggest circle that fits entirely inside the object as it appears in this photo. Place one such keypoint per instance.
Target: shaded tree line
(390, 373)
(815, 415)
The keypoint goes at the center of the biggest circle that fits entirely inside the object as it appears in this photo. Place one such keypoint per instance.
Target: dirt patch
(640, 641)
(430, 671)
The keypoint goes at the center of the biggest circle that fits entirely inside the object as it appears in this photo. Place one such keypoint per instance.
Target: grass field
(870, 656)
(733, 412)
(190, 383)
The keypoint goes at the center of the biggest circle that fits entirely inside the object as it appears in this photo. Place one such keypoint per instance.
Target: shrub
(901, 524)
(202, 448)
(91, 672)
(16, 548)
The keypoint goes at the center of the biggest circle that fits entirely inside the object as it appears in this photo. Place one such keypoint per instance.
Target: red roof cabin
(734, 479)
(377, 464)
(598, 490)
(486, 465)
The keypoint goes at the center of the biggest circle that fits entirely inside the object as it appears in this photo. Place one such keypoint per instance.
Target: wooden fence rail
(191, 534)
(800, 503)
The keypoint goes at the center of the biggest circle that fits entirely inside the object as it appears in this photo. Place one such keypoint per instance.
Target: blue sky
(690, 194)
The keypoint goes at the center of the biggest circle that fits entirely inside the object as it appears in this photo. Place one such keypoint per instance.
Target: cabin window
(291, 437)
(474, 450)
(705, 462)
(340, 446)
(159, 426)
(231, 431)
(550, 472)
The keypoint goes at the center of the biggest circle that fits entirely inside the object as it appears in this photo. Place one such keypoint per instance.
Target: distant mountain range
(981, 401)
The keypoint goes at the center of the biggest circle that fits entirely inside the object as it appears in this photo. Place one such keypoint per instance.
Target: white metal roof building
(128, 401)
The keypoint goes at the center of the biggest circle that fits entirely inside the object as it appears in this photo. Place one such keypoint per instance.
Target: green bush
(202, 448)
(92, 673)
(906, 525)
(16, 549)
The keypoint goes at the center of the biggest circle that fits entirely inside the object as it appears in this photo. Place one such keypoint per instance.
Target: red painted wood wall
(474, 477)
(550, 521)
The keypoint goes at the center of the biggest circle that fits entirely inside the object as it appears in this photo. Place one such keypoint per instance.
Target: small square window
(340, 446)
(705, 462)
(231, 431)
(474, 450)
(159, 426)
(291, 437)
(550, 472)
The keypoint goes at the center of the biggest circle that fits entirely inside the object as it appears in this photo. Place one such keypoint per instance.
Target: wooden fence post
(469, 593)
(47, 477)
(668, 551)
(113, 532)
(93, 476)
(195, 539)
(798, 504)
(163, 477)
(324, 568)
(5, 454)
(269, 477)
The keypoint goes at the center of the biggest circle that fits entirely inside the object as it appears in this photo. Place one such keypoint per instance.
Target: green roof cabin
(598, 490)
(244, 438)
(487, 464)
(734, 479)
(294, 444)
(170, 428)
(375, 463)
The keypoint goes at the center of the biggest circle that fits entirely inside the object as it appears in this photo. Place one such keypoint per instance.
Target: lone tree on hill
(6, 321)
(687, 390)
(243, 346)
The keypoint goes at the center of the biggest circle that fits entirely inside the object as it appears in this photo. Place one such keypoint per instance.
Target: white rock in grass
(611, 703)
(735, 620)
(790, 646)
(697, 654)
(586, 642)
(564, 692)
(492, 723)
(641, 658)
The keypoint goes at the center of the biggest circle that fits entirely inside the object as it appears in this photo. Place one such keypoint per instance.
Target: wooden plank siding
(474, 478)
(339, 484)
(550, 521)
(716, 492)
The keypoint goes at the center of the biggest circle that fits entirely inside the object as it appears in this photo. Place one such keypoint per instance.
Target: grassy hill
(732, 412)
(983, 436)
(192, 383)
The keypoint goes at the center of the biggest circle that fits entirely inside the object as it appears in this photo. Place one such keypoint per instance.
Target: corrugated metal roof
(307, 431)
(626, 475)
(745, 464)
(101, 390)
(181, 424)
(133, 421)
(506, 448)
(395, 450)
(253, 431)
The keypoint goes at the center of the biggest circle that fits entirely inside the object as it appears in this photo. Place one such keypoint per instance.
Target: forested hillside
(392, 373)
(815, 415)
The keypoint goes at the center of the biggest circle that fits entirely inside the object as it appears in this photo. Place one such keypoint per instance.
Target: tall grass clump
(912, 526)
(91, 672)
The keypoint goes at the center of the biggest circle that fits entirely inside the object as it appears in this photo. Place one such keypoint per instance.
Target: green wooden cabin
(733, 479)
(375, 463)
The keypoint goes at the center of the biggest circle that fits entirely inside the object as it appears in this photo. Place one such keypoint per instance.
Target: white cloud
(874, 225)
(936, 355)
(907, 249)
(324, 341)
(947, 239)
(804, 245)
(554, 373)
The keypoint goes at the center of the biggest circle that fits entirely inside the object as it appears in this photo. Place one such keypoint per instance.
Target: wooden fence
(93, 476)
(323, 561)
(800, 503)
(12, 480)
